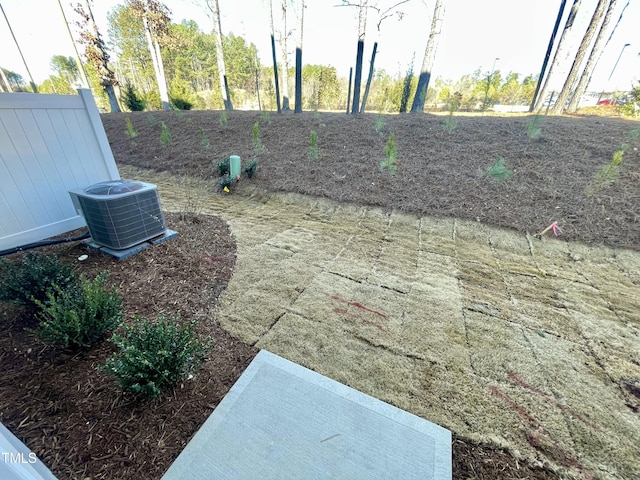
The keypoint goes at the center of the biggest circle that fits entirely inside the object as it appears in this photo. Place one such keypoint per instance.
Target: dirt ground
(538, 426)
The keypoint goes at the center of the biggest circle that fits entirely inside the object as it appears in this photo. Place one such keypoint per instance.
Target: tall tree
(383, 14)
(596, 50)
(273, 54)
(541, 97)
(156, 20)
(576, 67)
(362, 28)
(284, 35)
(96, 53)
(298, 107)
(429, 55)
(214, 10)
(552, 42)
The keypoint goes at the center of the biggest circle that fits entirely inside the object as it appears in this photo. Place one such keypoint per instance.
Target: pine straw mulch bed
(439, 173)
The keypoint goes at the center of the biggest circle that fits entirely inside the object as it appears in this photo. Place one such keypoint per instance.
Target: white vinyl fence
(49, 144)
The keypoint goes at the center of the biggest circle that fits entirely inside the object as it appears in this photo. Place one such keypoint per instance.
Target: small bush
(533, 128)
(258, 146)
(450, 124)
(30, 281)
(223, 167)
(391, 152)
(154, 356)
(165, 136)
(250, 167)
(226, 181)
(223, 119)
(314, 151)
(131, 99)
(380, 123)
(499, 170)
(130, 131)
(79, 316)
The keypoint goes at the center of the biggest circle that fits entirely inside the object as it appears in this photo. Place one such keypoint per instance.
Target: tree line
(158, 64)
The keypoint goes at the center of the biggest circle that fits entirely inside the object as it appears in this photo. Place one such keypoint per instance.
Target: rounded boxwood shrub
(79, 316)
(28, 282)
(155, 355)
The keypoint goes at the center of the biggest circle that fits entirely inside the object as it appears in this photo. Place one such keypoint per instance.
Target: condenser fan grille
(122, 220)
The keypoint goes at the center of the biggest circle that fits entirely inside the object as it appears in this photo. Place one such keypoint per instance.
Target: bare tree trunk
(429, 55)
(556, 56)
(285, 59)
(273, 53)
(217, 33)
(349, 90)
(298, 107)
(156, 59)
(592, 60)
(577, 62)
(552, 41)
(362, 27)
(613, 30)
(369, 78)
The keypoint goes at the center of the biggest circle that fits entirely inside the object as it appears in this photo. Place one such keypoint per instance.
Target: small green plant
(499, 170)
(454, 102)
(258, 147)
(450, 123)
(223, 167)
(250, 167)
(609, 173)
(265, 116)
(391, 154)
(151, 119)
(79, 316)
(29, 282)
(154, 356)
(204, 141)
(533, 128)
(314, 151)
(226, 181)
(165, 136)
(380, 123)
(222, 120)
(130, 131)
(177, 111)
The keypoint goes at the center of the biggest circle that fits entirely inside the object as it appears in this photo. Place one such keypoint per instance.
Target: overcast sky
(474, 34)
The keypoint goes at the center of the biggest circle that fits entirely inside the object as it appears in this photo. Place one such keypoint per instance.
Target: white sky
(474, 34)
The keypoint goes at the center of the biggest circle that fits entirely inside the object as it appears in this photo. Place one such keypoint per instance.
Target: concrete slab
(128, 252)
(282, 421)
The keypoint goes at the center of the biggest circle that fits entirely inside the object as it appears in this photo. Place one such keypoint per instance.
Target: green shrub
(250, 167)
(154, 356)
(258, 146)
(223, 119)
(165, 136)
(499, 170)
(391, 153)
(131, 99)
(130, 131)
(223, 167)
(79, 316)
(533, 128)
(314, 151)
(226, 181)
(28, 282)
